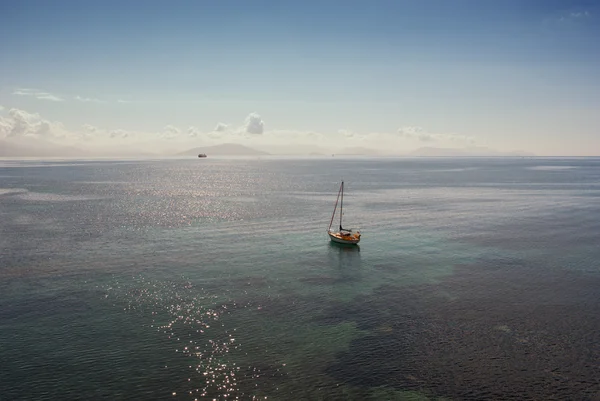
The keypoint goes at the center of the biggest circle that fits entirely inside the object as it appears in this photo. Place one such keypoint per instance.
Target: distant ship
(202, 155)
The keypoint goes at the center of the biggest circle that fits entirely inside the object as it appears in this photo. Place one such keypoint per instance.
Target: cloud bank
(423, 135)
(251, 131)
(21, 124)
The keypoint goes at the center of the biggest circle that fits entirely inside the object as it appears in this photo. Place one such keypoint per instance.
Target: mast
(342, 205)
(335, 207)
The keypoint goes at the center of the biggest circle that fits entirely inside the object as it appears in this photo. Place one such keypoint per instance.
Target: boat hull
(351, 239)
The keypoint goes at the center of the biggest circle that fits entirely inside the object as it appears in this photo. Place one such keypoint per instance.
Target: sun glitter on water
(191, 318)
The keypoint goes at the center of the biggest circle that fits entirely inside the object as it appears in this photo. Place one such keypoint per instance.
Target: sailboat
(343, 235)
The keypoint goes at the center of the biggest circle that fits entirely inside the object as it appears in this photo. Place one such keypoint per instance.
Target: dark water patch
(302, 307)
(480, 334)
(388, 267)
(43, 306)
(250, 281)
(326, 280)
(503, 262)
(369, 313)
(564, 227)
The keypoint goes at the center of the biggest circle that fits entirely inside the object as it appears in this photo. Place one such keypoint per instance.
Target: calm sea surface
(475, 279)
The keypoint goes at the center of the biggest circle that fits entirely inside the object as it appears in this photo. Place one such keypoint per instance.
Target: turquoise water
(215, 279)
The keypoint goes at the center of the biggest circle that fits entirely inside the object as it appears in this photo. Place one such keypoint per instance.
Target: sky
(312, 75)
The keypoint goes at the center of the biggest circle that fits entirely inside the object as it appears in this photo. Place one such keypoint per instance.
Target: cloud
(251, 132)
(254, 124)
(90, 128)
(170, 132)
(415, 132)
(89, 131)
(101, 135)
(575, 15)
(25, 92)
(118, 133)
(1, 107)
(19, 126)
(5, 127)
(569, 18)
(48, 96)
(192, 132)
(43, 95)
(37, 94)
(221, 127)
(20, 123)
(347, 133)
(88, 99)
(304, 137)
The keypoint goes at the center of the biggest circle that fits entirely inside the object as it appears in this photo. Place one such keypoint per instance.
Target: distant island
(29, 147)
(358, 151)
(466, 152)
(226, 149)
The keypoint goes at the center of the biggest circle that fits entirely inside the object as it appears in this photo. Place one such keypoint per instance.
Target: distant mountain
(466, 152)
(358, 151)
(295, 150)
(226, 149)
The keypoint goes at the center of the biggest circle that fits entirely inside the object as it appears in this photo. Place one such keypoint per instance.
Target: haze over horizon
(386, 76)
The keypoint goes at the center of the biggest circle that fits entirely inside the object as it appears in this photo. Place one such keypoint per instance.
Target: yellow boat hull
(344, 238)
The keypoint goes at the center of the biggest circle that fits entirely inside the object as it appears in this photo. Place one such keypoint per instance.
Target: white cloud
(415, 132)
(575, 15)
(90, 128)
(283, 137)
(20, 123)
(88, 99)
(291, 134)
(48, 96)
(89, 132)
(254, 124)
(37, 94)
(5, 127)
(92, 133)
(123, 101)
(583, 14)
(221, 127)
(118, 133)
(24, 92)
(347, 133)
(193, 132)
(1, 107)
(569, 18)
(170, 132)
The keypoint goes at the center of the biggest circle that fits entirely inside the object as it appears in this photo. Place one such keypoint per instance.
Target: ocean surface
(475, 279)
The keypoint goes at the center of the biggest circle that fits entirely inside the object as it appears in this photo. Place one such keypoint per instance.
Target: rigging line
(335, 207)
(342, 205)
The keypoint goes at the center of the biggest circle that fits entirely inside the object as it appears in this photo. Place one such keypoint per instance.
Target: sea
(214, 279)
